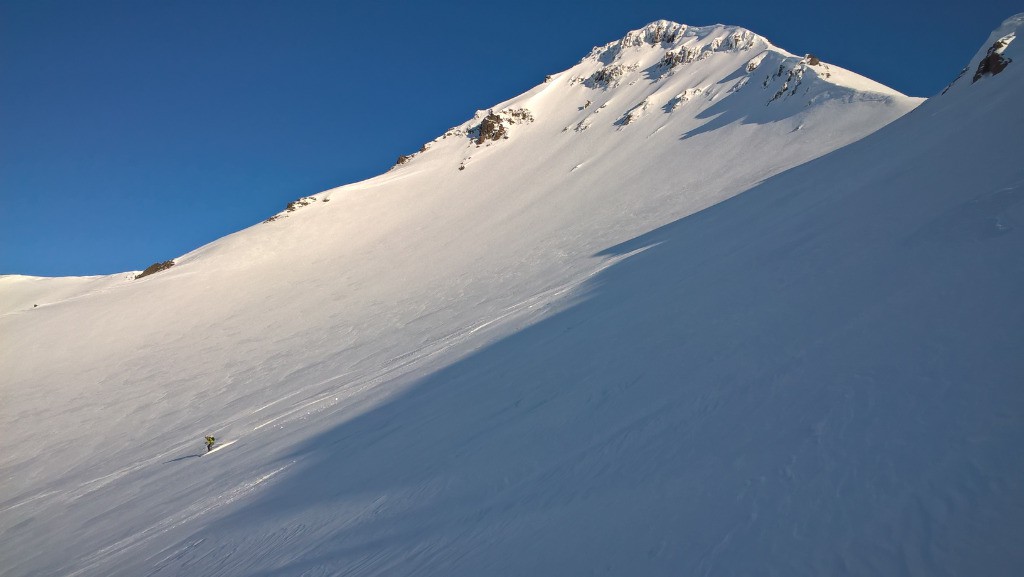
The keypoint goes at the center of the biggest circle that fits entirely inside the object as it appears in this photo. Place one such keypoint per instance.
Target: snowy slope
(537, 365)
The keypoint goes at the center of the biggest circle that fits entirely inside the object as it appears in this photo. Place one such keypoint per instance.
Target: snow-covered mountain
(533, 348)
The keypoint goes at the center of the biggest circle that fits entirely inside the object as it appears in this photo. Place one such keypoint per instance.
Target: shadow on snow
(784, 383)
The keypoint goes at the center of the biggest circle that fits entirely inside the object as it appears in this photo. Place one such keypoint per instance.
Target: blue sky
(133, 132)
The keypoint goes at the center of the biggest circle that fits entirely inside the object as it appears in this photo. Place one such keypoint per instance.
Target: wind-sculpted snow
(582, 353)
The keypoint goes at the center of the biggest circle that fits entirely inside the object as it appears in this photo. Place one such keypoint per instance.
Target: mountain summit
(686, 81)
(559, 340)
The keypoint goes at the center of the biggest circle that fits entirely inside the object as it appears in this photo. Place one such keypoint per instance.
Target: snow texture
(585, 352)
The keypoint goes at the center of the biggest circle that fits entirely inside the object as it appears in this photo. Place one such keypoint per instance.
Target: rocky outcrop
(653, 34)
(795, 76)
(606, 77)
(683, 56)
(490, 129)
(495, 126)
(155, 268)
(295, 205)
(665, 32)
(993, 63)
(405, 158)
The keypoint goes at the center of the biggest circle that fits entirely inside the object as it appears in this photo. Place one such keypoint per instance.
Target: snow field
(559, 360)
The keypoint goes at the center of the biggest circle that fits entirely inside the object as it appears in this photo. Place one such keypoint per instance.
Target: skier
(209, 443)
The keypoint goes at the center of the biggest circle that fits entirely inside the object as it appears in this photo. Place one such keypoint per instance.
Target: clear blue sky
(133, 132)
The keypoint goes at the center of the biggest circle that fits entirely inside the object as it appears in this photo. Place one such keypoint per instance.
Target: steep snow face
(994, 56)
(299, 337)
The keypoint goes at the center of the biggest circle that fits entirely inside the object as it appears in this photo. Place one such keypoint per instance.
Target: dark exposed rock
(155, 268)
(402, 159)
(813, 60)
(993, 63)
(491, 128)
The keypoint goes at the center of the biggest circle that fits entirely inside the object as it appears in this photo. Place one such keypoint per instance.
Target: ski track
(65, 495)
(219, 447)
(28, 500)
(115, 550)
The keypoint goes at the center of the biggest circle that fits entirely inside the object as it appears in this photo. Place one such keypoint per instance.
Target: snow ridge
(665, 64)
(996, 55)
